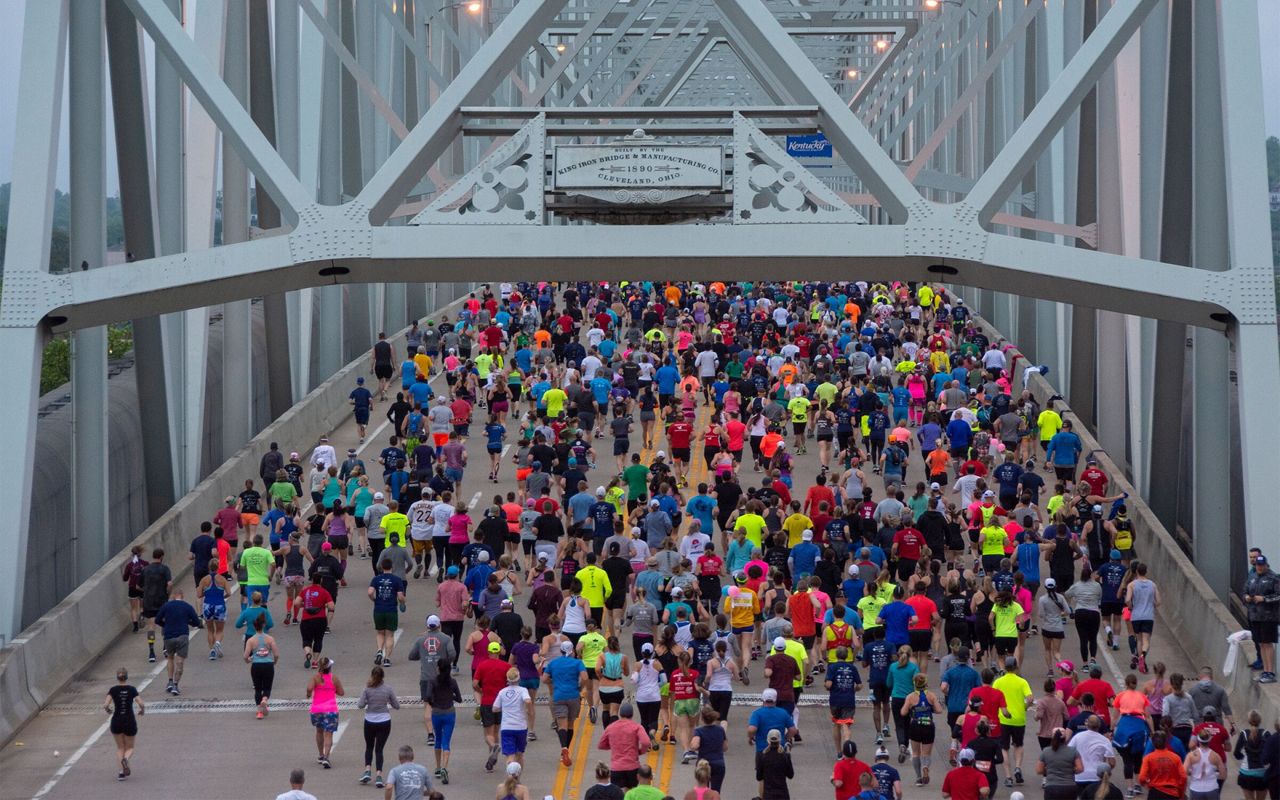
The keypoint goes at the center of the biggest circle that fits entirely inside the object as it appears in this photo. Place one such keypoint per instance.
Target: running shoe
(1256, 666)
(213, 654)
(260, 715)
(688, 756)
(124, 767)
(386, 662)
(444, 776)
(1017, 776)
(417, 572)
(593, 714)
(1142, 664)
(324, 762)
(377, 659)
(431, 742)
(1267, 677)
(564, 757)
(492, 759)
(902, 754)
(151, 656)
(176, 692)
(306, 662)
(366, 777)
(476, 715)
(379, 782)
(217, 646)
(533, 735)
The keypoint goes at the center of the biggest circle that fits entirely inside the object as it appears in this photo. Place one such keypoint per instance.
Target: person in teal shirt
(902, 675)
(702, 507)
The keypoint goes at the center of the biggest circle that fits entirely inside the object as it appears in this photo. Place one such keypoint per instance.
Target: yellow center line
(669, 757)
(582, 749)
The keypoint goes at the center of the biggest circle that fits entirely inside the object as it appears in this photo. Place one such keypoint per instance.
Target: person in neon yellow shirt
(799, 408)
(590, 645)
(595, 586)
(992, 540)
(752, 524)
(484, 365)
(796, 524)
(1004, 623)
(925, 295)
(1049, 422)
(869, 607)
(1013, 717)
(554, 400)
(826, 392)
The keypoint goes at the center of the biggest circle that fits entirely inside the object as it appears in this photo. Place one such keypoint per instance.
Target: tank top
(574, 619)
(720, 679)
(922, 712)
(853, 486)
(293, 563)
(612, 666)
(1156, 698)
(338, 526)
(956, 608)
(1203, 775)
(261, 652)
(982, 617)
(822, 427)
(324, 699)
(215, 595)
(1143, 604)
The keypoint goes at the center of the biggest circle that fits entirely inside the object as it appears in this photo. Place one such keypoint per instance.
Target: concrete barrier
(53, 649)
(1190, 613)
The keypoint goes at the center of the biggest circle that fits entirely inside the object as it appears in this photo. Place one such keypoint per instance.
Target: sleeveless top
(261, 652)
(720, 679)
(853, 486)
(324, 698)
(922, 712)
(1203, 775)
(215, 595)
(1156, 698)
(1143, 605)
(293, 563)
(574, 619)
(612, 666)
(338, 526)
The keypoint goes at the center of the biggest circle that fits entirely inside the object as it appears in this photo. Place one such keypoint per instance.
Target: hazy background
(11, 13)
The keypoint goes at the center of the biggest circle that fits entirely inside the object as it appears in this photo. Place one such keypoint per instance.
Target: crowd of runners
(659, 553)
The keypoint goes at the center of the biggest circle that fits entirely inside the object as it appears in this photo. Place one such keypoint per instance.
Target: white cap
(769, 696)
(653, 503)
(677, 592)
(853, 569)
(661, 454)
(967, 754)
(779, 644)
(807, 536)
(566, 647)
(782, 445)
(433, 621)
(483, 556)
(513, 769)
(988, 494)
(599, 491)
(935, 486)
(377, 496)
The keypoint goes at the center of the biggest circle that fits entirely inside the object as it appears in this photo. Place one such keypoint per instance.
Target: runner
(120, 703)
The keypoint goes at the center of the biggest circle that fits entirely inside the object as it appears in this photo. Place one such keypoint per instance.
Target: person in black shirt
(121, 699)
(157, 580)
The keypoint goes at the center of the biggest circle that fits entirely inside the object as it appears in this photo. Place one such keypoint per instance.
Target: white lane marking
(475, 499)
(505, 448)
(67, 765)
(337, 736)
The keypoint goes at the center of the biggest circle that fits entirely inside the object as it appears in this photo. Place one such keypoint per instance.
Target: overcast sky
(11, 13)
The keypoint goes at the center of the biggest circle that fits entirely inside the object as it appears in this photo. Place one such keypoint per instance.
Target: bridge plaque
(637, 166)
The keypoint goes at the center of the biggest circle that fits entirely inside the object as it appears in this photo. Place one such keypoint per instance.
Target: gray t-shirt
(1059, 765)
(409, 781)
(1143, 604)
(429, 649)
(1085, 595)
(440, 418)
(1180, 709)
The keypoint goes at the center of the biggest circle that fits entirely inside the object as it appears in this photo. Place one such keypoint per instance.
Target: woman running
(442, 693)
(261, 654)
(324, 689)
(918, 709)
(719, 680)
(611, 665)
(339, 526)
(495, 432)
(377, 699)
(512, 788)
(213, 599)
(703, 788)
(121, 700)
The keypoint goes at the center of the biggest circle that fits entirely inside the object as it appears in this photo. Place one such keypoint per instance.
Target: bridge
(298, 176)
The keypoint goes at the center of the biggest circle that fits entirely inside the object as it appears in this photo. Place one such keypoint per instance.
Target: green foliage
(55, 368)
(59, 245)
(1273, 161)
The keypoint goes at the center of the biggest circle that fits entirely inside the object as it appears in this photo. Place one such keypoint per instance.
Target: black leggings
(1087, 624)
(649, 714)
(375, 738)
(875, 448)
(453, 627)
(717, 775)
(720, 701)
(899, 721)
(263, 675)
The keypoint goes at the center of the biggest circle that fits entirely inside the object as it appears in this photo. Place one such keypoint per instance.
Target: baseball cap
(599, 491)
(988, 494)
(1065, 666)
(660, 454)
(1097, 509)
(483, 557)
(378, 496)
(1115, 555)
(769, 696)
(1261, 559)
(351, 451)
(935, 487)
(807, 536)
(326, 547)
(881, 753)
(229, 500)
(775, 735)
(779, 643)
(360, 381)
(506, 603)
(1209, 711)
(567, 647)
(975, 702)
(433, 621)
(644, 648)
(653, 503)
(542, 558)
(1050, 583)
(514, 769)
(677, 592)
(452, 571)
(967, 754)
(494, 647)
(573, 462)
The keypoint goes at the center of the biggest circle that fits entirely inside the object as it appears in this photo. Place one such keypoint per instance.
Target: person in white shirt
(706, 363)
(324, 456)
(590, 365)
(296, 779)
(595, 336)
(694, 543)
(421, 529)
(993, 360)
(515, 705)
(1094, 749)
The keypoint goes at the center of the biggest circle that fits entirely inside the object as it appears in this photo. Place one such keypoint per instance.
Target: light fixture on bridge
(474, 7)
(882, 44)
(852, 73)
(560, 48)
(932, 5)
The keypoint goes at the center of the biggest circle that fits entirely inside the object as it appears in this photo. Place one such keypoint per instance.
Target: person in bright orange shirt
(717, 288)
(936, 462)
(673, 294)
(787, 372)
(542, 337)
(852, 311)
(1162, 771)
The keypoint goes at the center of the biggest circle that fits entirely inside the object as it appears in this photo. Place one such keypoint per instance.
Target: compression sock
(564, 737)
(915, 765)
(1133, 644)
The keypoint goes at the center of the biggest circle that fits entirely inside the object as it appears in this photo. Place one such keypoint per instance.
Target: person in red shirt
(312, 608)
(847, 771)
(489, 678)
(783, 490)
(685, 703)
(818, 493)
(679, 434)
(965, 782)
(803, 607)
(493, 337)
(1095, 477)
(228, 518)
(1101, 691)
(1218, 735)
(992, 700)
(979, 468)
(921, 631)
(907, 545)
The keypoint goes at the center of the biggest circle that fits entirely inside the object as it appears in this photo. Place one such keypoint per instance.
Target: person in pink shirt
(1066, 684)
(452, 599)
(228, 518)
(626, 740)
(916, 388)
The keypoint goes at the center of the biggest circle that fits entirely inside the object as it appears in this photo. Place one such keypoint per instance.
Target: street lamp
(853, 73)
(560, 48)
(474, 7)
(882, 44)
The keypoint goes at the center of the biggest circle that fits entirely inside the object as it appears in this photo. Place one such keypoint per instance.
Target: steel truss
(962, 138)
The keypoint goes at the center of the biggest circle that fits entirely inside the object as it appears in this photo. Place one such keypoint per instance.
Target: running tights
(263, 675)
(649, 715)
(1087, 624)
(375, 738)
